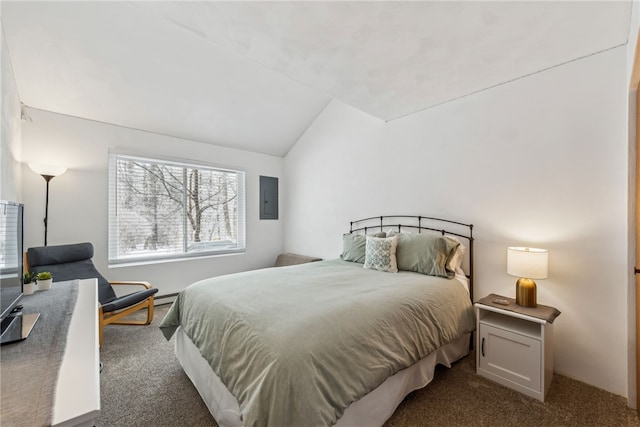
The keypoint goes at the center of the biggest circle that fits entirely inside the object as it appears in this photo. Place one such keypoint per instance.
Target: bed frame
(421, 223)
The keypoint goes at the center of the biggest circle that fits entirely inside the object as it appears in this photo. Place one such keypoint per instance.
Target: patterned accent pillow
(380, 254)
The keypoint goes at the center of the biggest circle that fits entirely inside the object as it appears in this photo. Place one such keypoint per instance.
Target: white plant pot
(43, 285)
(29, 288)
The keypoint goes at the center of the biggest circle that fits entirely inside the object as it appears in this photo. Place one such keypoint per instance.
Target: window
(166, 210)
(10, 241)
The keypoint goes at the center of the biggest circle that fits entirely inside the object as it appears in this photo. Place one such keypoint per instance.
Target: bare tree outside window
(163, 209)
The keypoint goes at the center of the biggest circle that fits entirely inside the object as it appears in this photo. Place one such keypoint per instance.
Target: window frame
(113, 255)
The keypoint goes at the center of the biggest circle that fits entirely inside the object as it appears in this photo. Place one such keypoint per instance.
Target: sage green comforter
(297, 345)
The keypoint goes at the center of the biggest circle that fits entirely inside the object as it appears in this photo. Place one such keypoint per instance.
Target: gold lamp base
(526, 293)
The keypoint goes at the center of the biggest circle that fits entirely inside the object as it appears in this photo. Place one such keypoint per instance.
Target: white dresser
(53, 376)
(77, 398)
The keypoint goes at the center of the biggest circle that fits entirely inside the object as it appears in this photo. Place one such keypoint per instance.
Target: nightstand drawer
(511, 356)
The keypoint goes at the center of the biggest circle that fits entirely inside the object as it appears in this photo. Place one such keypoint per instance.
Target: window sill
(139, 262)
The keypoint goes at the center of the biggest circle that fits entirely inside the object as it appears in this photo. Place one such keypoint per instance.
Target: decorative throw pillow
(381, 254)
(354, 246)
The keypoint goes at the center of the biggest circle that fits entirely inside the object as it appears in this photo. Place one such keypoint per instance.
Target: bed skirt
(372, 410)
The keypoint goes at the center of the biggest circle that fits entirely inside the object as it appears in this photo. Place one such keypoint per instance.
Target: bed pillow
(455, 263)
(354, 245)
(427, 254)
(381, 253)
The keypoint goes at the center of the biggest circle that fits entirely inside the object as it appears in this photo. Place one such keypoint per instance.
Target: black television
(11, 268)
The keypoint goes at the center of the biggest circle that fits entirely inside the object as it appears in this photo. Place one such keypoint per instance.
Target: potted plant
(29, 283)
(44, 280)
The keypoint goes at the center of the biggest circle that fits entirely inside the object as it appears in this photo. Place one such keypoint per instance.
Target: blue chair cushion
(128, 300)
(70, 262)
(62, 254)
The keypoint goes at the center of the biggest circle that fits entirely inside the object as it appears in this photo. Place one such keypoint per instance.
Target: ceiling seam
(243, 57)
(13, 71)
(150, 131)
(630, 21)
(239, 55)
(542, 70)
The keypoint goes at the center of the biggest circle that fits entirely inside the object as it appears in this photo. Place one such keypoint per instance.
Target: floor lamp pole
(46, 207)
(47, 172)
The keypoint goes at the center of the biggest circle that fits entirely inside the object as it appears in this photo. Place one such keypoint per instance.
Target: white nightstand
(513, 348)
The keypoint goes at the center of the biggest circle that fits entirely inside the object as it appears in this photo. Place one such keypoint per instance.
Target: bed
(337, 342)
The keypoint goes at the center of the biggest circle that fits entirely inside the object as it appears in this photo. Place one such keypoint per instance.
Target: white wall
(10, 133)
(78, 209)
(541, 161)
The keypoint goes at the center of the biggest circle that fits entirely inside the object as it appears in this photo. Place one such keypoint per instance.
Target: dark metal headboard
(420, 223)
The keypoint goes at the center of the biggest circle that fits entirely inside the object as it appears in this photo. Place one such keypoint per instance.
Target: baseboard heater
(158, 298)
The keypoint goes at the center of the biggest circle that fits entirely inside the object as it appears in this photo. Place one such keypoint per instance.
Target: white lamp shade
(532, 263)
(50, 170)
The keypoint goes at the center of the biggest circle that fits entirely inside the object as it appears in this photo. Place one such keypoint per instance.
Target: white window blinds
(10, 241)
(162, 209)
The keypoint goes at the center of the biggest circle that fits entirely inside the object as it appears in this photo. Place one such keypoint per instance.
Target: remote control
(501, 301)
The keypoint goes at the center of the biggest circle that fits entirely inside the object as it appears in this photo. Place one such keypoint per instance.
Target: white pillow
(380, 254)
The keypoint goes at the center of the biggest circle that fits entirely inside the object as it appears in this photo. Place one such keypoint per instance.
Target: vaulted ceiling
(254, 75)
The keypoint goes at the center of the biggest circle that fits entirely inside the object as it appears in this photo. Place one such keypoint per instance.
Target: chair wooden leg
(150, 311)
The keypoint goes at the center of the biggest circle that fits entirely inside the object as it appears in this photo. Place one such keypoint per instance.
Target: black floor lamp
(48, 172)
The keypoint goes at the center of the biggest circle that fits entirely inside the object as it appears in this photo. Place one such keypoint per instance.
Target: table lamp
(528, 264)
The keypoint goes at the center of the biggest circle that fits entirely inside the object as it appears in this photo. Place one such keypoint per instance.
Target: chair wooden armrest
(131, 283)
(115, 316)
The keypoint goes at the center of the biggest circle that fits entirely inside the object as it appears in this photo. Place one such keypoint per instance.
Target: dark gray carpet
(142, 384)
